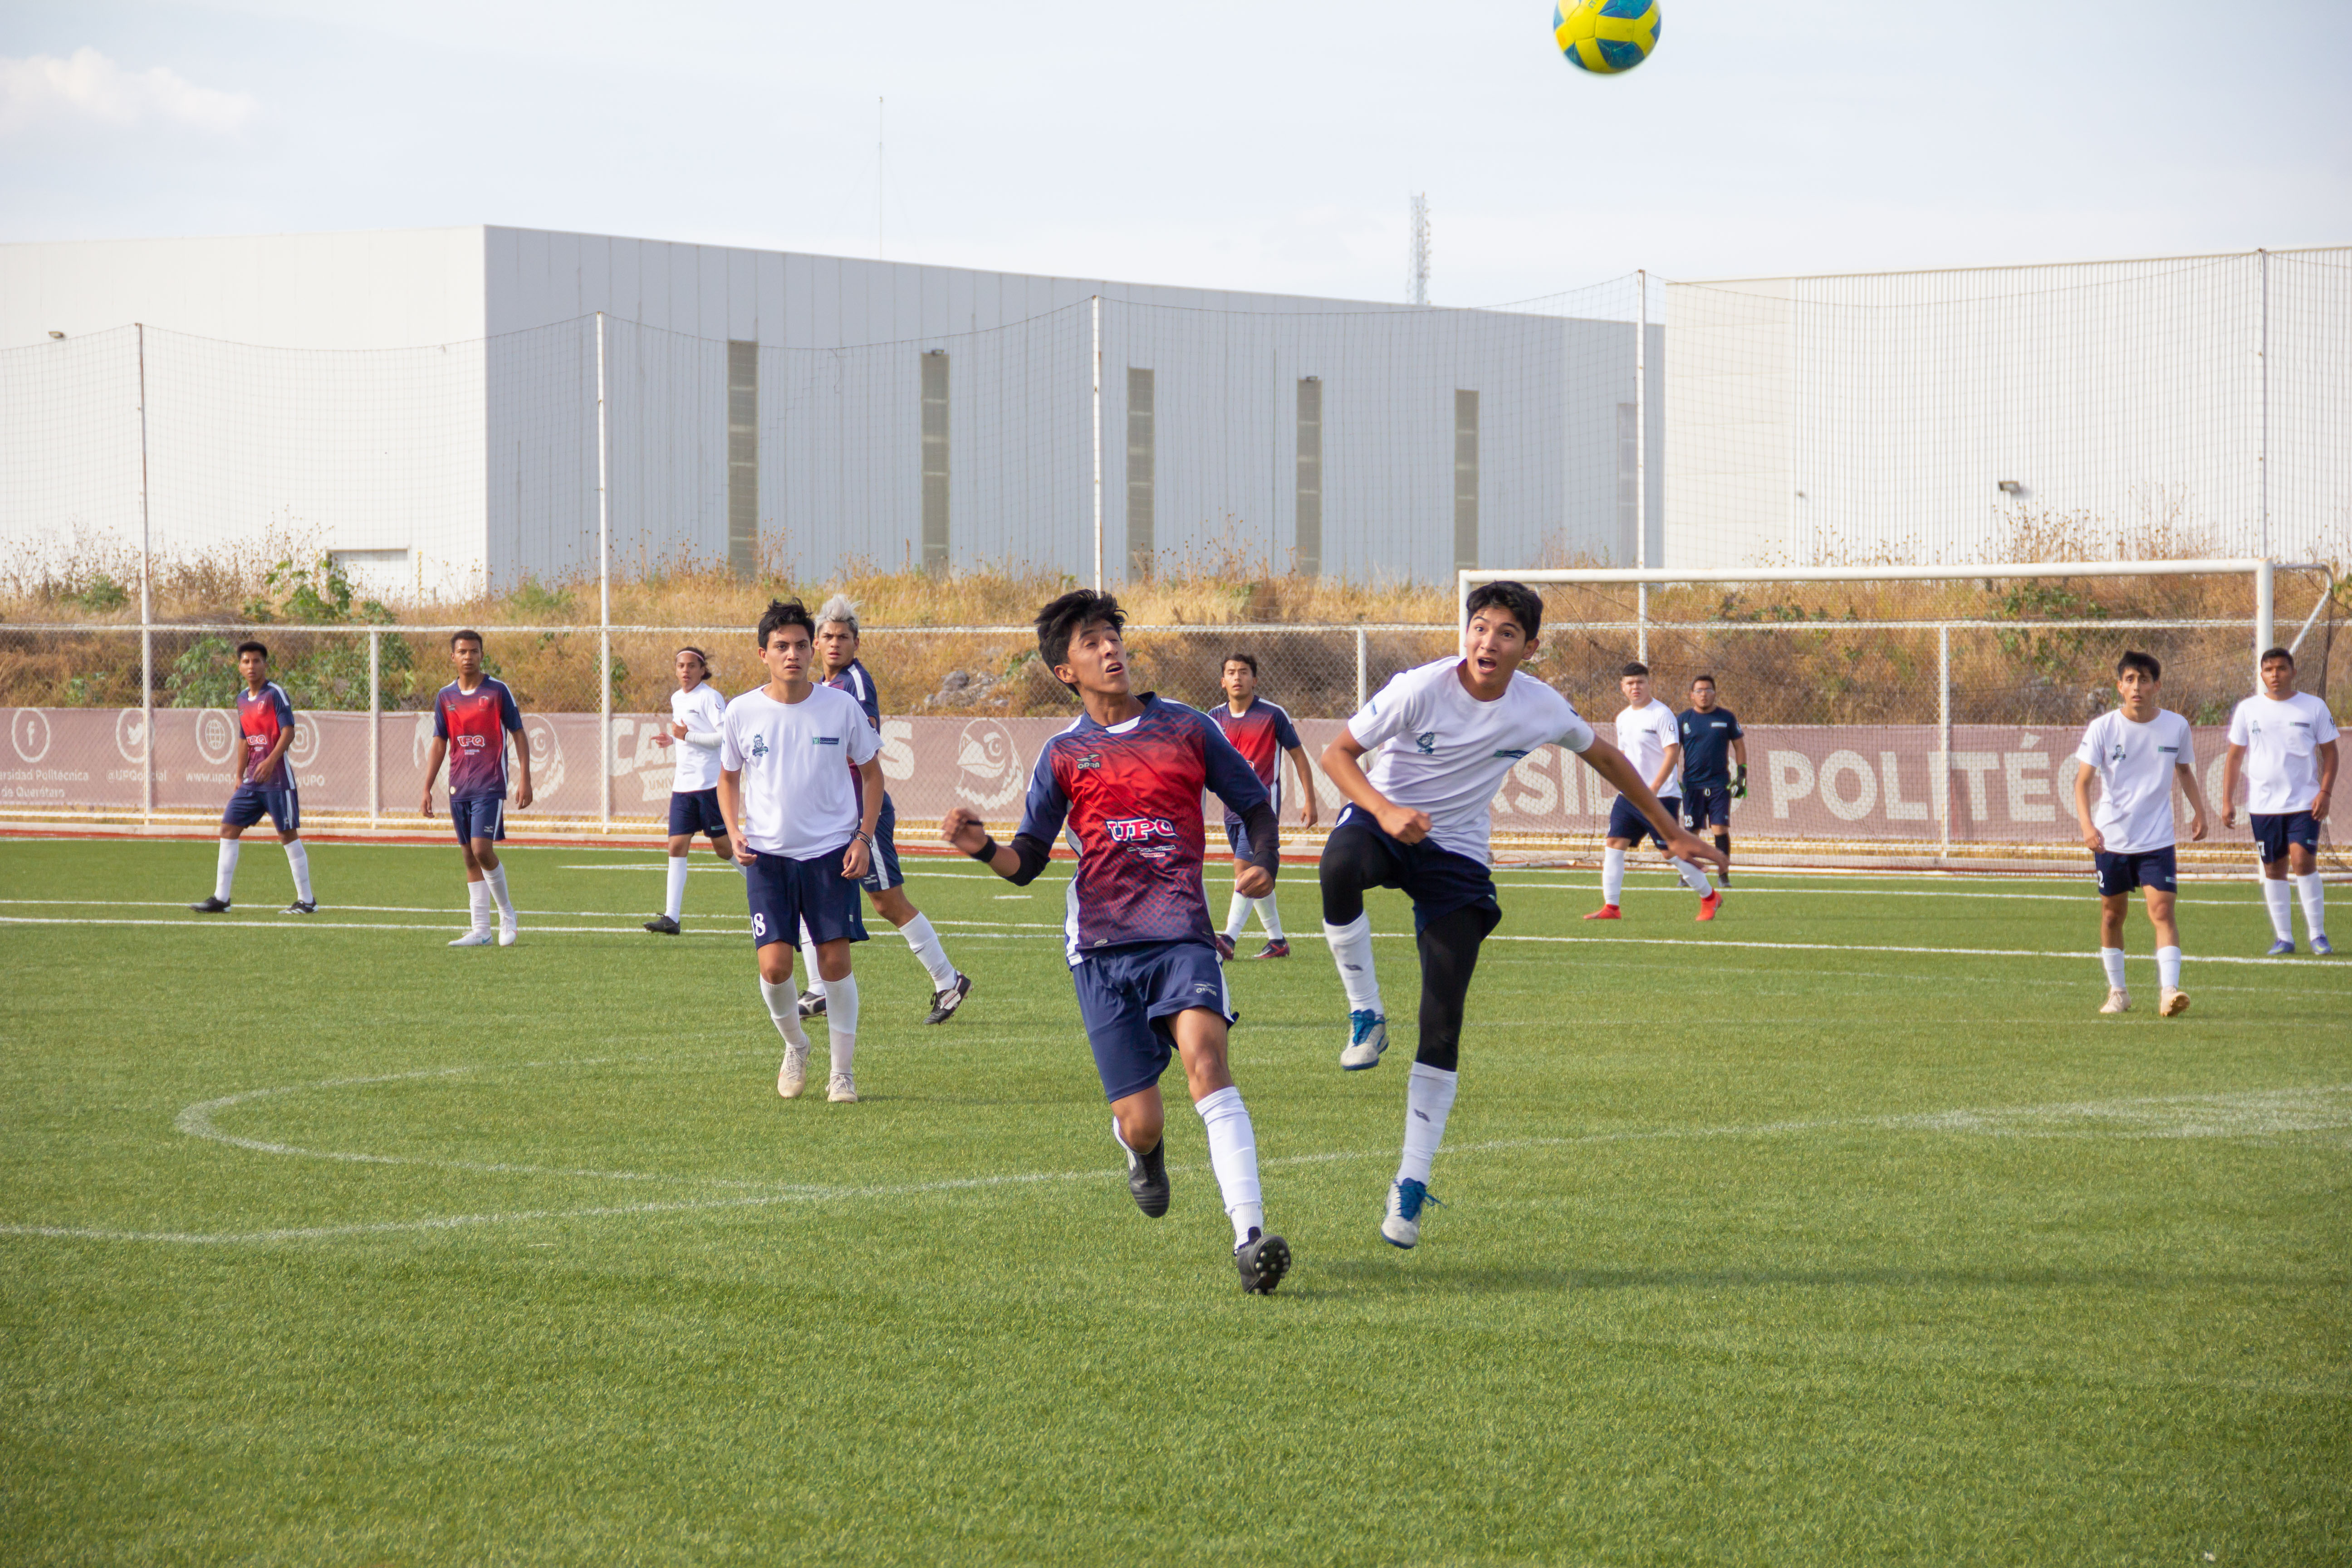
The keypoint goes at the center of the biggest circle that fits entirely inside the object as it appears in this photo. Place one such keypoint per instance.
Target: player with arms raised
(1127, 778)
(696, 713)
(2285, 740)
(265, 723)
(2136, 751)
(1442, 737)
(1263, 733)
(472, 717)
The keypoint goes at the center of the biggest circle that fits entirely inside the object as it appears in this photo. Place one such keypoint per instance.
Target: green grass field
(1795, 1239)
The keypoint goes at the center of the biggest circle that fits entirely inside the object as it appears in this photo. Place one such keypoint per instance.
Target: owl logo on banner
(989, 764)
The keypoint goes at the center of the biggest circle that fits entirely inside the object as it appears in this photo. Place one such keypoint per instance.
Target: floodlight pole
(146, 603)
(603, 593)
(1097, 310)
(1642, 458)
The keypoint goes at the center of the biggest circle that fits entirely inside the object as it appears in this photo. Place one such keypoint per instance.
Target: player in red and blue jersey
(472, 717)
(265, 783)
(1263, 733)
(1126, 780)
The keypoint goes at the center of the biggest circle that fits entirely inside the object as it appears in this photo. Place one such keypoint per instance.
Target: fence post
(1361, 693)
(146, 604)
(604, 600)
(1944, 727)
(1098, 415)
(2265, 612)
(375, 728)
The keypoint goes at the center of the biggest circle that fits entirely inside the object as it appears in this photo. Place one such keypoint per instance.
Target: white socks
(841, 1017)
(1233, 1155)
(783, 1007)
(1428, 1100)
(298, 857)
(478, 900)
(1612, 874)
(495, 879)
(2280, 898)
(676, 904)
(925, 940)
(1693, 878)
(1237, 915)
(1352, 950)
(2315, 903)
(2168, 968)
(1269, 917)
(809, 981)
(2111, 959)
(224, 877)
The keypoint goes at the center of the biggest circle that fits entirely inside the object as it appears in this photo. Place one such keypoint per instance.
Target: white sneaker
(1400, 1226)
(507, 927)
(841, 1089)
(792, 1076)
(2171, 1004)
(2118, 1001)
(476, 938)
(1368, 1037)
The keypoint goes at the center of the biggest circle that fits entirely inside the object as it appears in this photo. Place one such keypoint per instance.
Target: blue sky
(1264, 145)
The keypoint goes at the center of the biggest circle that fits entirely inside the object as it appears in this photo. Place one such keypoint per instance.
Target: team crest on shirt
(759, 747)
(1426, 743)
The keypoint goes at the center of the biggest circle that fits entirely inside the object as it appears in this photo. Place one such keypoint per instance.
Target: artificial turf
(1763, 1241)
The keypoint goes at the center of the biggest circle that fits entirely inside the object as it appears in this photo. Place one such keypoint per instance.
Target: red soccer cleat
(1606, 912)
(1709, 904)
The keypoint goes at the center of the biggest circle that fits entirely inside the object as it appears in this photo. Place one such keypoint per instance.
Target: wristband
(865, 838)
(987, 850)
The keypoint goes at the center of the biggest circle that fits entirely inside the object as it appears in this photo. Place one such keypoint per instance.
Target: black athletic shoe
(301, 907)
(1224, 948)
(945, 1003)
(1147, 1179)
(812, 1004)
(1262, 1260)
(210, 907)
(662, 925)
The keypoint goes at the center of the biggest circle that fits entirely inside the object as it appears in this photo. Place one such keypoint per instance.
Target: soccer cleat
(1147, 1175)
(2281, 948)
(476, 938)
(301, 907)
(1276, 947)
(1224, 948)
(508, 931)
(1368, 1037)
(1709, 904)
(211, 907)
(792, 1074)
(662, 925)
(2320, 949)
(2118, 1001)
(2171, 1004)
(812, 1004)
(1606, 912)
(1262, 1260)
(945, 1002)
(841, 1089)
(1401, 1225)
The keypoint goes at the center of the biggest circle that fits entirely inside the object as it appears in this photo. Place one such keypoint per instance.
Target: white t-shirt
(1439, 750)
(702, 710)
(1644, 734)
(797, 797)
(2135, 763)
(2282, 741)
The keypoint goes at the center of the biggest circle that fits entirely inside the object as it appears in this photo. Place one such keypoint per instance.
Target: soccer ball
(1606, 35)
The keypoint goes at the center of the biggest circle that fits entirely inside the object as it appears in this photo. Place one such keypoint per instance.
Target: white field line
(2245, 1115)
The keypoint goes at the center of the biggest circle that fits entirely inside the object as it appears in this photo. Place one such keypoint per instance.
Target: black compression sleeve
(1264, 828)
(1033, 852)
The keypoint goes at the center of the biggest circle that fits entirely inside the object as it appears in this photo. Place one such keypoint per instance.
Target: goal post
(1911, 716)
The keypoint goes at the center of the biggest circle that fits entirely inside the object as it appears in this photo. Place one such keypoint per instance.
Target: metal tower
(1417, 280)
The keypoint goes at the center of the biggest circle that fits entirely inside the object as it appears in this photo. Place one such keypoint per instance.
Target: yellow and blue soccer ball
(1606, 35)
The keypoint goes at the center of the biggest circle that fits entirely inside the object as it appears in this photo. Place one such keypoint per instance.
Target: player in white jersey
(1650, 735)
(1442, 738)
(803, 834)
(695, 713)
(2136, 752)
(2285, 740)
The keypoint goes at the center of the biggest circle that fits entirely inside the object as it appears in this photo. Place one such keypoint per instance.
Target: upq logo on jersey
(1140, 829)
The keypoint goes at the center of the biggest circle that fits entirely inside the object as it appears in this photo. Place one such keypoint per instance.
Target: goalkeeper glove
(1740, 783)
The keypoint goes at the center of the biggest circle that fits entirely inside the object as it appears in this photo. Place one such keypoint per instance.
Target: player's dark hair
(783, 612)
(2143, 662)
(2268, 655)
(1696, 679)
(1523, 603)
(1247, 658)
(1060, 622)
(249, 646)
(474, 637)
(1636, 667)
(700, 657)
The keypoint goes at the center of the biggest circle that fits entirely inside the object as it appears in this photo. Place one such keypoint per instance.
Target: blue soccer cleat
(2320, 949)
(1368, 1037)
(2281, 948)
(1401, 1225)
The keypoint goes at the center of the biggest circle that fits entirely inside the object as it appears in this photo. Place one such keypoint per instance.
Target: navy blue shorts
(693, 811)
(2273, 831)
(1237, 835)
(2149, 869)
(284, 807)
(784, 893)
(1626, 821)
(1436, 879)
(882, 865)
(1703, 808)
(1129, 998)
(479, 818)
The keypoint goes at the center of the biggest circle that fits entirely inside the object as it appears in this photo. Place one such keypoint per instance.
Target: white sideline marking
(312, 922)
(2242, 1114)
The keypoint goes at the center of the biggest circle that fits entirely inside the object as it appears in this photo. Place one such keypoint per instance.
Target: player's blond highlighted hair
(838, 608)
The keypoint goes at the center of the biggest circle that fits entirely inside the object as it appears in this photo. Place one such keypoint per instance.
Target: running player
(1263, 733)
(472, 717)
(2285, 740)
(1709, 733)
(837, 648)
(2136, 751)
(805, 837)
(1127, 777)
(265, 721)
(695, 713)
(1421, 818)
(1648, 733)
